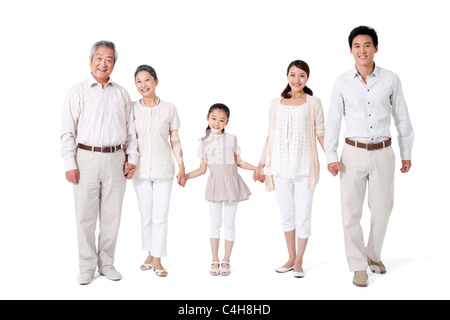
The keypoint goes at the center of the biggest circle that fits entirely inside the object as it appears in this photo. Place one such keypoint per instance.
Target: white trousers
(295, 201)
(229, 218)
(153, 196)
(362, 168)
(98, 196)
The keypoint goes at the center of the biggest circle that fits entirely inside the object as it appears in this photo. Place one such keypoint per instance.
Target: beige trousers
(98, 196)
(373, 170)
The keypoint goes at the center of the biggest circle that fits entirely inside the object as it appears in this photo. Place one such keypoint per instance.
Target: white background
(235, 52)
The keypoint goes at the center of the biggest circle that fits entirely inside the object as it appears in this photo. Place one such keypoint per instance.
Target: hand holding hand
(129, 170)
(258, 175)
(181, 179)
(334, 168)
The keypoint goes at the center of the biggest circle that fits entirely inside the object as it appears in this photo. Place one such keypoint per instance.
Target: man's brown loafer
(376, 267)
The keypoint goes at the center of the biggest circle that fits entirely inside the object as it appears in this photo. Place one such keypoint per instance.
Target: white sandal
(146, 267)
(158, 272)
(214, 271)
(225, 271)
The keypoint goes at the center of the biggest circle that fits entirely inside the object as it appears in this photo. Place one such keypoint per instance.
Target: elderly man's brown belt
(99, 149)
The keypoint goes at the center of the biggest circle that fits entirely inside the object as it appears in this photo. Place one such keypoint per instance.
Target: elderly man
(367, 96)
(98, 134)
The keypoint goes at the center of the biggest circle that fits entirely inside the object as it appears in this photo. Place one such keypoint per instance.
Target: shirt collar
(92, 81)
(375, 73)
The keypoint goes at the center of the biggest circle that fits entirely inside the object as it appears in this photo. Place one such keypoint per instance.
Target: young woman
(291, 161)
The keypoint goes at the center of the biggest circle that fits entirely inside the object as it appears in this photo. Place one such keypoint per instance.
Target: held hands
(181, 179)
(334, 168)
(129, 170)
(258, 175)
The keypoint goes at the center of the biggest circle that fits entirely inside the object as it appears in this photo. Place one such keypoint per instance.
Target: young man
(367, 96)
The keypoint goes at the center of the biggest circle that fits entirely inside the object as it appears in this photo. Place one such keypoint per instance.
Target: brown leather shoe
(360, 279)
(376, 267)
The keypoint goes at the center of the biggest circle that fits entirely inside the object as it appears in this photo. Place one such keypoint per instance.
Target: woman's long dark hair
(215, 106)
(301, 65)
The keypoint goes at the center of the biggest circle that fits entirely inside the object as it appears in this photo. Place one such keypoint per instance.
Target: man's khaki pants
(98, 196)
(374, 169)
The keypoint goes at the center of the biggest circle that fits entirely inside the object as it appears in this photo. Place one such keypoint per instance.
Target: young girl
(291, 160)
(219, 152)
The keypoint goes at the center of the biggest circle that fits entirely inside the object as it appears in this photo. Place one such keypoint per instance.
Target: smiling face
(217, 120)
(297, 79)
(363, 50)
(102, 64)
(146, 84)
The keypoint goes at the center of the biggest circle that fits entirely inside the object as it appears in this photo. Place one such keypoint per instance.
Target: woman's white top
(290, 151)
(153, 126)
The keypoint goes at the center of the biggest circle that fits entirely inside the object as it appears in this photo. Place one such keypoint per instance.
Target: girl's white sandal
(225, 271)
(214, 271)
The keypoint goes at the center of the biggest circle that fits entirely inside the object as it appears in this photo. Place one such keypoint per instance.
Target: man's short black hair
(363, 30)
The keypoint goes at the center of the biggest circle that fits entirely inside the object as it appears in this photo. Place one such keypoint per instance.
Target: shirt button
(370, 115)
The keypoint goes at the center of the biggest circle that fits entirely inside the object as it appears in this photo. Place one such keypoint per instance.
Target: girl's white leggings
(229, 217)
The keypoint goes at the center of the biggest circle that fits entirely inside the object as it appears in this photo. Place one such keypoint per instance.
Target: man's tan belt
(99, 149)
(369, 146)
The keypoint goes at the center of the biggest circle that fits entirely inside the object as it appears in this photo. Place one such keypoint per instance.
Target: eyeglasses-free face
(102, 64)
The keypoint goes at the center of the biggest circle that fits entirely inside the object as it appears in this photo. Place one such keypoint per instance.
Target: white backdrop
(235, 52)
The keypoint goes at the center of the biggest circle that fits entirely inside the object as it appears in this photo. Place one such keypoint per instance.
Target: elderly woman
(156, 121)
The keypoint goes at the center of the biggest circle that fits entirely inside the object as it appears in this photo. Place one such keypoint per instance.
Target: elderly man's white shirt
(99, 117)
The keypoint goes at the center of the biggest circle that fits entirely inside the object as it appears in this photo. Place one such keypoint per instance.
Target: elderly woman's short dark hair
(147, 68)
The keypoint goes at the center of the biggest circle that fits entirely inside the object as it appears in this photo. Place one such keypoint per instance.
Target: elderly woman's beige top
(153, 126)
(315, 128)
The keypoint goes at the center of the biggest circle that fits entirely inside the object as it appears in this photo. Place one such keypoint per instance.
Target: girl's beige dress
(224, 182)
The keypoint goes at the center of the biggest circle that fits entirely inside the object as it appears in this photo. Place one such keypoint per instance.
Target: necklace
(156, 104)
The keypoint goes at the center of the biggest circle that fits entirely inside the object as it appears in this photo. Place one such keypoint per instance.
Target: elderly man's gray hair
(103, 43)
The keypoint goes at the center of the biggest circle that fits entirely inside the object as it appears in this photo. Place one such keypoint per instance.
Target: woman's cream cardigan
(316, 128)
